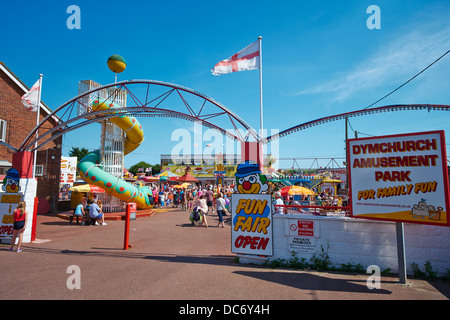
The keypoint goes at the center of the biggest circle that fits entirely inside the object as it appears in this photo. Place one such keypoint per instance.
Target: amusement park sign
(251, 212)
(401, 178)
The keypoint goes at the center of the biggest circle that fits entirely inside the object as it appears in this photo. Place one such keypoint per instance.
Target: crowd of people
(206, 199)
(300, 203)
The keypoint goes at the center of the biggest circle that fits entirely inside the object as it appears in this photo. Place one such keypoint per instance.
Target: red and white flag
(30, 99)
(246, 59)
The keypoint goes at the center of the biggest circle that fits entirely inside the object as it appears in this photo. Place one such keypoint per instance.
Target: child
(190, 199)
(161, 198)
(20, 223)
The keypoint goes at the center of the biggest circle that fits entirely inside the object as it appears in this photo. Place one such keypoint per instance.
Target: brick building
(15, 124)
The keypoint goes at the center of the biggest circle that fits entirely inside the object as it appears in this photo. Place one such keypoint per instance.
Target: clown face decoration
(11, 181)
(249, 179)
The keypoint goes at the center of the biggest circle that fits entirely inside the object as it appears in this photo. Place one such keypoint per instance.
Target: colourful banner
(203, 171)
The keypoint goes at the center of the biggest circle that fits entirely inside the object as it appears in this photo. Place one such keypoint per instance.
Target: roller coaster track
(362, 112)
(208, 115)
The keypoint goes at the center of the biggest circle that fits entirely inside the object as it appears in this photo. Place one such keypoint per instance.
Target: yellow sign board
(401, 178)
(202, 171)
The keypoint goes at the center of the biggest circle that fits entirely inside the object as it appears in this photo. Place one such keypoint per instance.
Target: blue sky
(319, 59)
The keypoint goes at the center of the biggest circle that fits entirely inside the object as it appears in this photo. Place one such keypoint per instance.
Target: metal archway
(150, 98)
(205, 110)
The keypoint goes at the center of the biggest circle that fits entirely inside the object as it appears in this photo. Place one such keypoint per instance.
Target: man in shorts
(96, 213)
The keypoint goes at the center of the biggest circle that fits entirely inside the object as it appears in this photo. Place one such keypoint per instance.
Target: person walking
(220, 203)
(20, 223)
(190, 200)
(156, 200)
(161, 198)
(184, 201)
(210, 199)
(203, 209)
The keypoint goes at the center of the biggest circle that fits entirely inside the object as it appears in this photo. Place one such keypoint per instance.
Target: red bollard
(130, 208)
(33, 226)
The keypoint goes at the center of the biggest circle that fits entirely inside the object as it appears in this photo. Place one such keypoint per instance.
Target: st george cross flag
(30, 99)
(246, 59)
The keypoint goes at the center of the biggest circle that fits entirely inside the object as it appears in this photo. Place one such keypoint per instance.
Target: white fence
(357, 241)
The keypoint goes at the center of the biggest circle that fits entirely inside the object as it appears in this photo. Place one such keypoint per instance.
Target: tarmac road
(171, 259)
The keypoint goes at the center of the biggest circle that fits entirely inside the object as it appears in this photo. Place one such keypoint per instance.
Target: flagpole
(260, 86)
(37, 123)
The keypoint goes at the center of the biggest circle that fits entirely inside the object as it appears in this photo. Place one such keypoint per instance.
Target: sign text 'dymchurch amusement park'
(401, 178)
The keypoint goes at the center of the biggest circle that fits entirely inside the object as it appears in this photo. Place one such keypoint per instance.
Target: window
(2, 130)
(39, 170)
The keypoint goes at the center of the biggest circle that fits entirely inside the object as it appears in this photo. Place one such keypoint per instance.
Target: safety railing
(335, 211)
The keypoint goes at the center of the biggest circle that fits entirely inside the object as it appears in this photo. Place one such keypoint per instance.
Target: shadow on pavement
(300, 280)
(308, 281)
(119, 253)
(442, 286)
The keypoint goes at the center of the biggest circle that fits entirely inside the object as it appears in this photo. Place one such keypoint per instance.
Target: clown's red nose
(246, 185)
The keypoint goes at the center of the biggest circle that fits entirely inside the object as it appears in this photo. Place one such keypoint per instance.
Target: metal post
(401, 252)
(260, 87)
(346, 153)
(33, 226)
(126, 238)
(37, 123)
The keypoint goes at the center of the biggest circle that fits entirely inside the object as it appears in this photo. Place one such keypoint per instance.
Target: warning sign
(302, 228)
(306, 228)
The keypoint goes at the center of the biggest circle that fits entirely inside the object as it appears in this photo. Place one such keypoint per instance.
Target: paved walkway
(170, 259)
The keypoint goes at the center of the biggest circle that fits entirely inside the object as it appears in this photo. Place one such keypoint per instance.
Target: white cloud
(394, 63)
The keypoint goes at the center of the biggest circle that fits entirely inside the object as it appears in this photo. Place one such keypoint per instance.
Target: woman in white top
(220, 206)
(203, 208)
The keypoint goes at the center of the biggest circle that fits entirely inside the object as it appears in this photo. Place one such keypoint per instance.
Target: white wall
(28, 188)
(366, 242)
